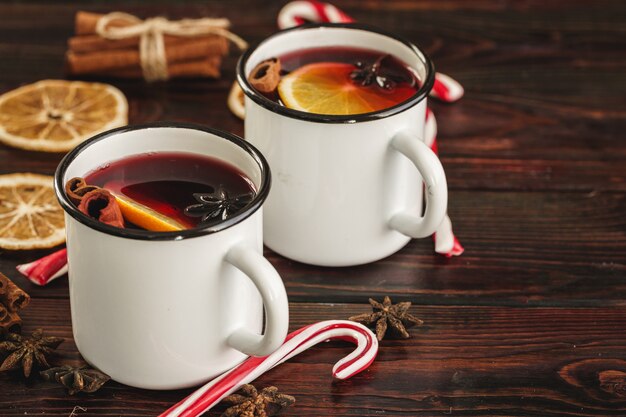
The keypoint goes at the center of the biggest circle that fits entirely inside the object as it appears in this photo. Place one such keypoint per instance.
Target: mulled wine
(337, 80)
(188, 189)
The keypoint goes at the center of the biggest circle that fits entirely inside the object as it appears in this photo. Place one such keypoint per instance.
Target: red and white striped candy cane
(45, 269)
(297, 13)
(446, 242)
(360, 359)
(445, 89)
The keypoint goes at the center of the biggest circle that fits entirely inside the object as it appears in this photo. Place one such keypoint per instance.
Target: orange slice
(326, 88)
(236, 102)
(145, 217)
(57, 115)
(30, 216)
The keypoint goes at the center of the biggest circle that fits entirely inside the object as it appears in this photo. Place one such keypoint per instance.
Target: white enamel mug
(166, 310)
(347, 189)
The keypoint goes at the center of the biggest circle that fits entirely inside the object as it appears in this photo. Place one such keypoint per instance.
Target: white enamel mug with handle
(166, 310)
(347, 189)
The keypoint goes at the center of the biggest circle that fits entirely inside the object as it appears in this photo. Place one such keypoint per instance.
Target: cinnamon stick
(13, 297)
(12, 323)
(266, 75)
(209, 67)
(102, 206)
(92, 43)
(118, 59)
(76, 188)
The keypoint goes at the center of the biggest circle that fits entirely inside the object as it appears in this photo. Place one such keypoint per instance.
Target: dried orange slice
(57, 115)
(326, 88)
(30, 216)
(145, 217)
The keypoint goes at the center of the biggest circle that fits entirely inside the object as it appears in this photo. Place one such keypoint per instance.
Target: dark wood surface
(530, 321)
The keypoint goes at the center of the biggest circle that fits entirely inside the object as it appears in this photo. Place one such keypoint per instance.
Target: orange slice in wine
(326, 88)
(145, 217)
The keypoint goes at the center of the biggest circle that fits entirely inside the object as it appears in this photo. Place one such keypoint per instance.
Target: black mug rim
(252, 207)
(263, 101)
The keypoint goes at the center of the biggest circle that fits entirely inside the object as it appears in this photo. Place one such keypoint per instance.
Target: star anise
(366, 74)
(217, 205)
(26, 353)
(83, 378)
(248, 402)
(387, 315)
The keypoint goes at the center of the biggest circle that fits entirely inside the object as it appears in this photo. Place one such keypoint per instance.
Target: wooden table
(531, 320)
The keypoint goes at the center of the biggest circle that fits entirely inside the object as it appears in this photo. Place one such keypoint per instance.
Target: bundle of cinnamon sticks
(186, 56)
(12, 299)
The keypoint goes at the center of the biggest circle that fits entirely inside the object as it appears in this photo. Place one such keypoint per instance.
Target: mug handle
(436, 190)
(270, 285)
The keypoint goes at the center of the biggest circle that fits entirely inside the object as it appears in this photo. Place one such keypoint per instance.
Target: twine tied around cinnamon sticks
(151, 31)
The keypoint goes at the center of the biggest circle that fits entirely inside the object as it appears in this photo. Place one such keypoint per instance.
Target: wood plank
(479, 361)
(535, 248)
(530, 248)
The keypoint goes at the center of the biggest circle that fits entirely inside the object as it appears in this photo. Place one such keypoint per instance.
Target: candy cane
(360, 359)
(298, 12)
(45, 269)
(446, 88)
(445, 242)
